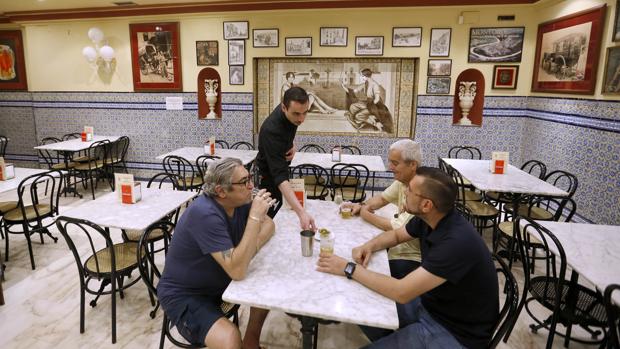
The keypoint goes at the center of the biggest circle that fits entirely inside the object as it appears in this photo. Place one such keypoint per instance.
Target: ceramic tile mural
(564, 133)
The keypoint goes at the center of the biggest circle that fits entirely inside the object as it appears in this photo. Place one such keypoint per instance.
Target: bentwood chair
(569, 302)
(81, 155)
(613, 310)
(242, 145)
(312, 148)
(349, 181)
(189, 176)
(483, 214)
(104, 262)
(222, 144)
(316, 180)
(351, 149)
(202, 164)
(117, 153)
(464, 152)
(96, 166)
(3, 143)
(509, 312)
(37, 205)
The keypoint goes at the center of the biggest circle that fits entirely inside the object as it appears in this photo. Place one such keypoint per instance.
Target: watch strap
(349, 269)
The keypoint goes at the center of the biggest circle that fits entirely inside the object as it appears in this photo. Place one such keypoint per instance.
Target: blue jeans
(417, 330)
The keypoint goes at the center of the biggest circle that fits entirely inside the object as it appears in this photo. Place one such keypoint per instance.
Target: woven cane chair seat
(125, 254)
(6, 206)
(16, 214)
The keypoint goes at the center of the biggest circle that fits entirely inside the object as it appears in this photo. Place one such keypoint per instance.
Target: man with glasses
(214, 241)
(452, 299)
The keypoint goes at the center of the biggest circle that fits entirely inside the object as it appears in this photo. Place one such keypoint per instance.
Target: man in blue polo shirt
(214, 242)
(452, 299)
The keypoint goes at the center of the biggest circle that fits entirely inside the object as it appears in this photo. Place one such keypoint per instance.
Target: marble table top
(592, 250)
(514, 180)
(108, 211)
(280, 278)
(74, 145)
(191, 153)
(20, 174)
(373, 162)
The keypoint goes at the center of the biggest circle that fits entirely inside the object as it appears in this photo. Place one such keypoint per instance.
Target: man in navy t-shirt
(452, 299)
(214, 241)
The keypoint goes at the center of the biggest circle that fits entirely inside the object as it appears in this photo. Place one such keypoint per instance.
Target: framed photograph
(339, 89)
(567, 53)
(439, 67)
(437, 86)
(236, 52)
(12, 67)
(265, 38)
(440, 42)
(236, 30)
(488, 45)
(616, 34)
(207, 53)
(235, 75)
(298, 46)
(155, 57)
(407, 36)
(505, 77)
(611, 82)
(369, 45)
(335, 36)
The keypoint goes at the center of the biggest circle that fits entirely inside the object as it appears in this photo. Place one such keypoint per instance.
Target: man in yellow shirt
(404, 157)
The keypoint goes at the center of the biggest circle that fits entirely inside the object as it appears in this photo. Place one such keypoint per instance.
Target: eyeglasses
(245, 181)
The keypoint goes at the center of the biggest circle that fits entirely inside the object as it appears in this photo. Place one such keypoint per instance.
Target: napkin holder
(88, 134)
(336, 154)
(7, 170)
(299, 188)
(209, 146)
(129, 191)
(499, 162)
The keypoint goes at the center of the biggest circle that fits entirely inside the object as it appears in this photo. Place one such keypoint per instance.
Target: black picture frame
(335, 40)
(207, 53)
(362, 43)
(298, 46)
(511, 44)
(432, 70)
(438, 85)
(262, 38)
(234, 30)
(438, 46)
(615, 36)
(401, 36)
(236, 75)
(236, 52)
(611, 76)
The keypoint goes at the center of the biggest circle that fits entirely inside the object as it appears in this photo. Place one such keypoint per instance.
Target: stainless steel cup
(307, 239)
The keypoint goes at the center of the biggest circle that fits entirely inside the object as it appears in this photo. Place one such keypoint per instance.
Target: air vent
(124, 3)
(506, 18)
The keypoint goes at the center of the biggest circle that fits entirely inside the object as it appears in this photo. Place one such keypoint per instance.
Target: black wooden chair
(95, 168)
(613, 336)
(351, 149)
(80, 156)
(105, 262)
(222, 144)
(242, 145)
(202, 164)
(312, 148)
(349, 181)
(464, 152)
(189, 176)
(3, 144)
(510, 310)
(117, 153)
(483, 214)
(316, 180)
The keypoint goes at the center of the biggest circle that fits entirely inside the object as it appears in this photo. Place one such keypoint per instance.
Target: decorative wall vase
(209, 94)
(211, 86)
(467, 93)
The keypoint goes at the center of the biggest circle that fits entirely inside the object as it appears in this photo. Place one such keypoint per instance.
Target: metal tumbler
(307, 239)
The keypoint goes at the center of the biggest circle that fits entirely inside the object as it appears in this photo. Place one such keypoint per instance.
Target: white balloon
(107, 53)
(95, 34)
(89, 53)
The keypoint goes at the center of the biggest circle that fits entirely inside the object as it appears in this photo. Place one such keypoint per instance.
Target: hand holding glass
(273, 203)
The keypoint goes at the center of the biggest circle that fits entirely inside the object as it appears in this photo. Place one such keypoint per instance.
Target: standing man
(214, 241)
(404, 157)
(452, 299)
(276, 150)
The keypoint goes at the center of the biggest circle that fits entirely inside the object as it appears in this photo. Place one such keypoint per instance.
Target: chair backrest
(124, 145)
(202, 163)
(464, 152)
(349, 181)
(161, 233)
(163, 179)
(560, 207)
(50, 157)
(3, 143)
(312, 148)
(316, 180)
(612, 316)
(460, 183)
(535, 168)
(98, 151)
(40, 194)
(351, 149)
(563, 180)
(70, 136)
(222, 143)
(242, 145)
(509, 312)
(443, 166)
(181, 167)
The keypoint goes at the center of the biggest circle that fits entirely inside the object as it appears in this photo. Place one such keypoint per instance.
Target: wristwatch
(349, 270)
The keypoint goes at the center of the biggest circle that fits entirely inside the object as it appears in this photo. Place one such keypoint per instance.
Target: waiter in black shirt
(276, 150)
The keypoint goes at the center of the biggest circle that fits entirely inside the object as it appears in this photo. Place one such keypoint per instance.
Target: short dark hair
(439, 187)
(296, 94)
(290, 74)
(366, 72)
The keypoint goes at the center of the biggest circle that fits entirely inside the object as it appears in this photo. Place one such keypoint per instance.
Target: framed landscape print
(488, 45)
(505, 77)
(155, 57)
(12, 68)
(611, 82)
(235, 75)
(567, 53)
(437, 86)
(207, 53)
(407, 37)
(298, 46)
(236, 30)
(440, 42)
(236, 52)
(369, 45)
(334, 36)
(265, 38)
(439, 67)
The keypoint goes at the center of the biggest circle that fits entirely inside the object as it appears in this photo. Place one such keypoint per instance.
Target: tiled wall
(557, 131)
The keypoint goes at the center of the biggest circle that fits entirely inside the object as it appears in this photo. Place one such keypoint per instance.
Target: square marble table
(20, 174)
(373, 162)
(191, 153)
(280, 278)
(108, 211)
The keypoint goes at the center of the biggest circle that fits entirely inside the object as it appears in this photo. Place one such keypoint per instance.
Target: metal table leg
(68, 188)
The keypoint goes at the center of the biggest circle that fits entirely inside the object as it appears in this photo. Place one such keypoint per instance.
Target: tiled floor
(42, 309)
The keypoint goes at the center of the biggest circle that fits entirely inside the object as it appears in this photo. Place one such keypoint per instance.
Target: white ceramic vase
(211, 86)
(467, 93)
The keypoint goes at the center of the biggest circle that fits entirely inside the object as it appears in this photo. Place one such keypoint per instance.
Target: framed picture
(338, 89)
(407, 36)
(12, 67)
(616, 34)
(439, 67)
(298, 46)
(235, 75)
(440, 42)
(207, 53)
(505, 77)
(155, 57)
(495, 45)
(336, 36)
(265, 38)
(236, 52)
(567, 53)
(236, 30)
(611, 82)
(369, 45)
(437, 86)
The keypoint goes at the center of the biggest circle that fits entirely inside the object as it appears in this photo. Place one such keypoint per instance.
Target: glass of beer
(345, 212)
(327, 241)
